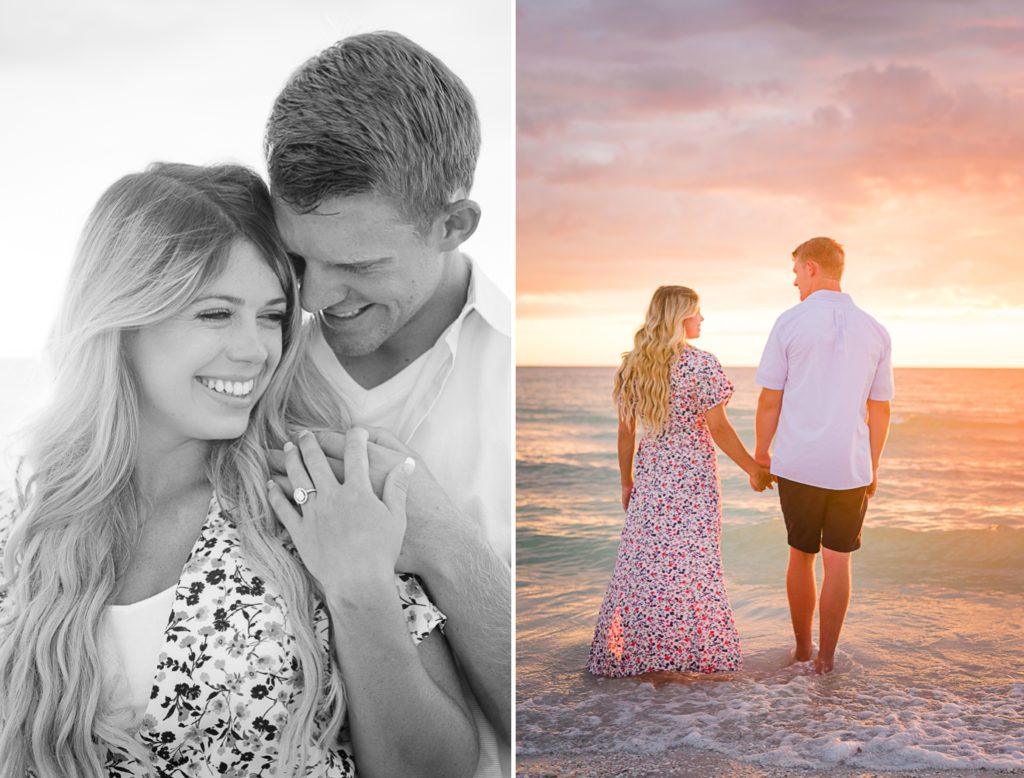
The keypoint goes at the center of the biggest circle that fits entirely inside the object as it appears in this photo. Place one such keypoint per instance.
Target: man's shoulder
(872, 322)
(791, 316)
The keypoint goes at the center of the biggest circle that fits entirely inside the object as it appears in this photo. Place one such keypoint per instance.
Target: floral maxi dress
(666, 607)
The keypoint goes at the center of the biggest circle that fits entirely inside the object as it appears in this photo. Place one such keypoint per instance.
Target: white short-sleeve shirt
(829, 358)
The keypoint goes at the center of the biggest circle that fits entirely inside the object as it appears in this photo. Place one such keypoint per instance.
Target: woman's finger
(332, 443)
(275, 461)
(283, 484)
(357, 461)
(384, 437)
(316, 463)
(284, 510)
(396, 487)
(294, 468)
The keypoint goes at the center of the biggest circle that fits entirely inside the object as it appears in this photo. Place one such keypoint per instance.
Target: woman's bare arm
(627, 447)
(726, 438)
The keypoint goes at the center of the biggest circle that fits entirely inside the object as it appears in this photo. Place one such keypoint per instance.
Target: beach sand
(699, 764)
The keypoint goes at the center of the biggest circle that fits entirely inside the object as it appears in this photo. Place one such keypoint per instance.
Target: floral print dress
(226, 676)
(666, 607)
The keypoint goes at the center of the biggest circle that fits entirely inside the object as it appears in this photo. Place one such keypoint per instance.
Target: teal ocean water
(930, 671)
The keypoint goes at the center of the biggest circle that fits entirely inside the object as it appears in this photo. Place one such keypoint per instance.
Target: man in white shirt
(371, 149)
(826, 374)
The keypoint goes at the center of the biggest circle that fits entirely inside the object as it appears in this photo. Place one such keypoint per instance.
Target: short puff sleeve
(421, 615)
(713, 385)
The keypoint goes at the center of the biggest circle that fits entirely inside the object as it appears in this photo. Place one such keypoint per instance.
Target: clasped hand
(345, 535)
(761, 479)
(432, 519)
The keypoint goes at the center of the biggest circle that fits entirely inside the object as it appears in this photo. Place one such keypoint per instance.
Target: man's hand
(873, 486)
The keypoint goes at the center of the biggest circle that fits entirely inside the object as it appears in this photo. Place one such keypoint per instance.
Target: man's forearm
(471, 584)
(769, 408)
(879, 415)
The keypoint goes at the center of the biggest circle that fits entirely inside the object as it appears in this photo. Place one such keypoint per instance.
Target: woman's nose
(248, 344)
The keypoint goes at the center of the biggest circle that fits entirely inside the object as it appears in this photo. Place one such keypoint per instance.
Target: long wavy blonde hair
(642, 380)
(151, 244)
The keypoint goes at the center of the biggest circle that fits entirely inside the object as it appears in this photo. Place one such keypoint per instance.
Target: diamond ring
(302, 495)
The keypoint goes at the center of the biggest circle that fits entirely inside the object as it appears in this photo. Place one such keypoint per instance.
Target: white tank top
(130, 638)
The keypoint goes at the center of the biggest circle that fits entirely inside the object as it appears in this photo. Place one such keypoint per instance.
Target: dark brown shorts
(817, 517)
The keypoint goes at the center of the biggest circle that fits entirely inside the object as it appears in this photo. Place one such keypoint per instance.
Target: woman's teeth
(233, 388)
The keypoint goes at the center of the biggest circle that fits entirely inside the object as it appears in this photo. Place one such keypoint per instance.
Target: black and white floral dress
(227, 674)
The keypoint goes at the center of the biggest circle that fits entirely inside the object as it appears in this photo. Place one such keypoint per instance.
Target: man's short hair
(377, 114)
(826, 252)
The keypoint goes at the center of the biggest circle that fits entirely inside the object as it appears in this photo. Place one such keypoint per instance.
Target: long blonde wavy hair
(151, 244)
(642, 380)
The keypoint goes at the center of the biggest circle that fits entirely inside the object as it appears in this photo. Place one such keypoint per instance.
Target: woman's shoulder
(696, 358)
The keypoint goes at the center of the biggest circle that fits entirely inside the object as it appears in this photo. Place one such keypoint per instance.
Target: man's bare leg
(835, 597)
(801, 589)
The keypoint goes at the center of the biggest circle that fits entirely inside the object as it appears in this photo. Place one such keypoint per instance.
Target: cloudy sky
(699, 142)
(93, 90)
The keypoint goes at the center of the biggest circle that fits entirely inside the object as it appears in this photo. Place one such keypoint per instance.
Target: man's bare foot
(824, 664)
(802, 654)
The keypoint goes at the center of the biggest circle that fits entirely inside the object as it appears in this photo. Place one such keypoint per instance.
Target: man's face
(368, 272)
(803, 279)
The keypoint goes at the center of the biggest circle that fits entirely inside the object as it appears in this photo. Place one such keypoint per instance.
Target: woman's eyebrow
(236, 300)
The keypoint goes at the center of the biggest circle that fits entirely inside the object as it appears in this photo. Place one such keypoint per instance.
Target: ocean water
(930, 667)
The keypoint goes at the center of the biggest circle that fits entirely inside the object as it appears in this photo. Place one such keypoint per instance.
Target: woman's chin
(226, 429)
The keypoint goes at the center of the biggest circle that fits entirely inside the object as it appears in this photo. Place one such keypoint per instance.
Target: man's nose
(319, 288)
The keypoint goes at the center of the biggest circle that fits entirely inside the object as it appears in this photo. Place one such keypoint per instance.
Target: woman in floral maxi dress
(666, 608)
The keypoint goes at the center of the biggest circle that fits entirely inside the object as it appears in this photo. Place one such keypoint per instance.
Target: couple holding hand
(826, 378)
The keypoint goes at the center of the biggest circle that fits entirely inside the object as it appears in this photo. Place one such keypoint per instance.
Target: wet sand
(699, 764)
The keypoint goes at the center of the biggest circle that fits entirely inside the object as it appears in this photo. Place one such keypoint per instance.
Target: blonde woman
(156, 617)
(666, 607)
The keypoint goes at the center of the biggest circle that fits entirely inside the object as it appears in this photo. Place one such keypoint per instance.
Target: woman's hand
(760, 479)
(627, 491)
(345, 535)
(434, 522)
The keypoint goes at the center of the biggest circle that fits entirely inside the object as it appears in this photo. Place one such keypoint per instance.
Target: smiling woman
(155, 617)
(232, 345)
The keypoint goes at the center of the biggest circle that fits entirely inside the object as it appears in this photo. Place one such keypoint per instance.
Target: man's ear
(459, 221)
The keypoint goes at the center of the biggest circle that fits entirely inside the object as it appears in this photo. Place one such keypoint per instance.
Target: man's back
(829, 357)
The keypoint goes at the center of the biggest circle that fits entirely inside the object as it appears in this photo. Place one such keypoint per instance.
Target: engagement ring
(302, 495)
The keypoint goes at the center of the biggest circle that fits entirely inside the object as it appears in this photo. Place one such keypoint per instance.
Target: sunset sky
(698, 143)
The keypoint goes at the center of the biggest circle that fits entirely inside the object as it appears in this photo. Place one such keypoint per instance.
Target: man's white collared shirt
(829, 358)
(452, 405)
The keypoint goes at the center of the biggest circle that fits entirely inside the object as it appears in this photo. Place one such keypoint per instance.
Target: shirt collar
(828, 296)
(485, 298)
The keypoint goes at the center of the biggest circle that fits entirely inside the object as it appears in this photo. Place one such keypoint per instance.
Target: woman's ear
(460, 220)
